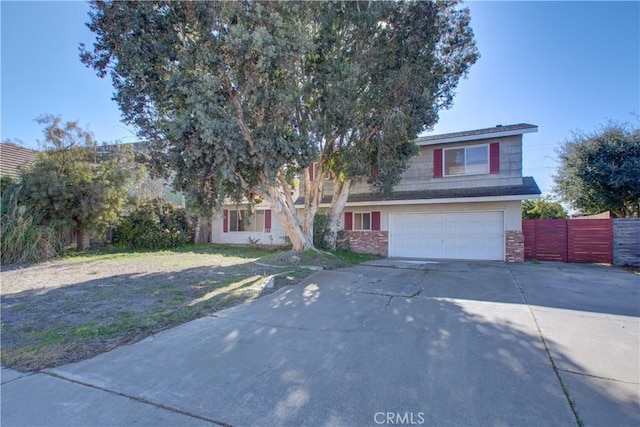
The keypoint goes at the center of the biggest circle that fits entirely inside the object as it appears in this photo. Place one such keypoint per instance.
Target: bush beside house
(155, 225)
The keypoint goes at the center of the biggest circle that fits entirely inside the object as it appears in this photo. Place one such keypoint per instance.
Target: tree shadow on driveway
(332, 352)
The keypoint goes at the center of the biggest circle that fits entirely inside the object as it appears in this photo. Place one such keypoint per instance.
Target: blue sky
(559, 65)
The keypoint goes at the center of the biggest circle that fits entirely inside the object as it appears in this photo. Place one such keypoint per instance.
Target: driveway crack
(138, 399)
(569, 371)
(555, 368)
(388, 302)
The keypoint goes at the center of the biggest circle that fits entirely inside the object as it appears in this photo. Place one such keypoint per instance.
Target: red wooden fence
(573, 240)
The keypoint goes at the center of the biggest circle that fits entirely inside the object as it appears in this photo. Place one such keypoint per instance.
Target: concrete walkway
(392, 342)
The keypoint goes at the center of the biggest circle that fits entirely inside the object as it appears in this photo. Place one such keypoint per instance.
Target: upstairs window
(466, 160)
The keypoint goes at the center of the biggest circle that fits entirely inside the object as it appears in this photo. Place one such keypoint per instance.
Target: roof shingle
(519, 128)
(13, 158)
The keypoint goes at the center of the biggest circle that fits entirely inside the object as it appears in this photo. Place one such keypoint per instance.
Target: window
(240, 221)
(466, 160)
(362, 221)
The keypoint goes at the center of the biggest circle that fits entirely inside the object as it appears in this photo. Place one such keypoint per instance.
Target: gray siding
(419, 176)
(626, 241)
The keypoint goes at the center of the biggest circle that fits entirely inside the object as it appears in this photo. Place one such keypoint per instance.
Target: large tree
(380, 74)
(74, 181)
(239, 98)
(600, 171)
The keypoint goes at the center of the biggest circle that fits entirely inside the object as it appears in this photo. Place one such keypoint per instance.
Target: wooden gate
(569, 240)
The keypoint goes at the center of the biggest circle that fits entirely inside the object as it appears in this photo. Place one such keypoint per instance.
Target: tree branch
(287, 189)
(233, 97)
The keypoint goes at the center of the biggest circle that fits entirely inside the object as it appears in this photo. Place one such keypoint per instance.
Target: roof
(14, 157)
(470, 135)
(527, 188)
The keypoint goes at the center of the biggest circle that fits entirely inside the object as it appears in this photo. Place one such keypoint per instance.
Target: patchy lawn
(76, 307)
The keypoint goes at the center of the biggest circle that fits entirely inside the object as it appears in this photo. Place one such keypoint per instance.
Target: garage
(448, 235)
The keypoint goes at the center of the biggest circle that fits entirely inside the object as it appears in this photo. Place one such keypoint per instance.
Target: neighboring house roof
(472, 135)
(13, 157)
(528, 188)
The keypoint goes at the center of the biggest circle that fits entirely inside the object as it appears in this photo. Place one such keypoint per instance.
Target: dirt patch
(70, 309)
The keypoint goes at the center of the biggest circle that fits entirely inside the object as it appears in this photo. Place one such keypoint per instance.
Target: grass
(353, 257)
(128, 295)
(116, 253)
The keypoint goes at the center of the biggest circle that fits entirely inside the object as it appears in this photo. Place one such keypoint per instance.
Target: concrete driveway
(388, 343)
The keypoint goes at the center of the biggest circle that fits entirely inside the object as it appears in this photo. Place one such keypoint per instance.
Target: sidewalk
(42, 399)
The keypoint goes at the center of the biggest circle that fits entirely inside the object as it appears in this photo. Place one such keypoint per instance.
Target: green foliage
(24, 237)
(321, 232)
(600, 171)
(75, 182)
(381, 72)
(237, 98)
(320, 223)
(543, 208)
(153, 225)
(353, 257)
(211, 85)
(7, 184)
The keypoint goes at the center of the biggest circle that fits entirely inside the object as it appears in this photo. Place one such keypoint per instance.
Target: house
(460, 198)
(13, 158)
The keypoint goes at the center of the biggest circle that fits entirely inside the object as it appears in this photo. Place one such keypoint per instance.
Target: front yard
(76, 307)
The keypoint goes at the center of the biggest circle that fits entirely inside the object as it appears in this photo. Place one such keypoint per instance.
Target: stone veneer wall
(369, 242)
(514, 247)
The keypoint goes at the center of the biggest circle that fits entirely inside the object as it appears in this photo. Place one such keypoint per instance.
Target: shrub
(154, 225)
(320, 222)
(342, 241)
(24, 237)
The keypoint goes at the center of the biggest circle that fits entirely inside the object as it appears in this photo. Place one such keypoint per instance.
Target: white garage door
(455, 235)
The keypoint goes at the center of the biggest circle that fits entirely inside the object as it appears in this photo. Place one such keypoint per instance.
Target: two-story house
(459, 199)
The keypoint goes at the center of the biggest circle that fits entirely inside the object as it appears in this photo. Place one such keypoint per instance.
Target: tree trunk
(196, 238)
(80, 240)
(307, 221)
(341, 191)
(284, 209)
(312, 199)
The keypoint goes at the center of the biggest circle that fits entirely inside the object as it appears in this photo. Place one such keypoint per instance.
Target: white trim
(353, 220)
(488, 135)
(436, 201)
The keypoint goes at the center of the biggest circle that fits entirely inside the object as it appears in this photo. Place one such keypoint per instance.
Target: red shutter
(348, 220)
(267, 221)
(494, 157)
(437, 163)
(225, 221)
(375, 221)
(311, 172)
